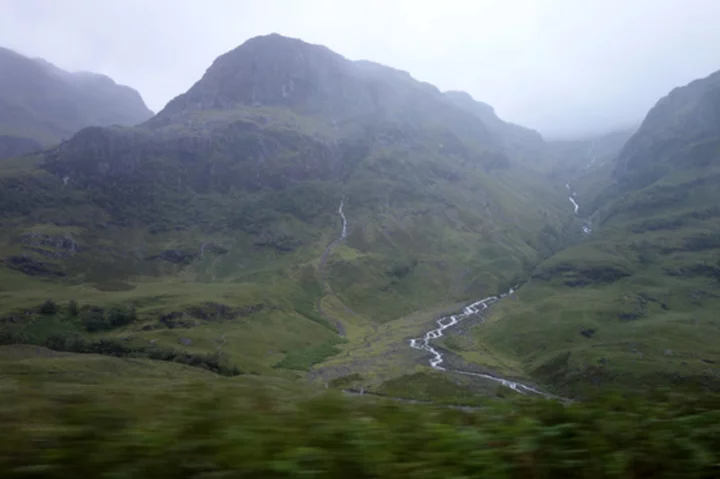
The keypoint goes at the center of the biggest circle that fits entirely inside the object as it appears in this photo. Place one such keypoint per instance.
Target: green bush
(94, 320)
(97, 319)
(73, 308)
(213, 432)
(120, 316)
(48, 308)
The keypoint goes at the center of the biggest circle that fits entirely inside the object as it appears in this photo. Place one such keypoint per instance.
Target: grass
(164, 426)
(409, 249)
(630, 308)
(304, 359)
(439, 388)
(428, 229)
(54, 373)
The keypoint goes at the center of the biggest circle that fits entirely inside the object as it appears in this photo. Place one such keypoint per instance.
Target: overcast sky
(563, 67)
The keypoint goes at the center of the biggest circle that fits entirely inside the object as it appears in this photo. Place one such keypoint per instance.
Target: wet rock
(629, 316)
(645, 298)
(173, 319)
(48, 253)
(32, 267)
(212, 248)
(175, 256)
(66, 243)
(588, 333)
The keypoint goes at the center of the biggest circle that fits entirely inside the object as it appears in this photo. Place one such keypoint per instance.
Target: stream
(424, 344)
(343, 233)
(323, 260)
(586, 225)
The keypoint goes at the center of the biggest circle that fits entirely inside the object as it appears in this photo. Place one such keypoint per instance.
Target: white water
(572, 197)
(343, 234)
(423, 344)
(446, 322)
(586, 226)
(577, 206)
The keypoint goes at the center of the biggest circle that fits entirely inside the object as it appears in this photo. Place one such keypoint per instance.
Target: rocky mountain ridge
(41, 104)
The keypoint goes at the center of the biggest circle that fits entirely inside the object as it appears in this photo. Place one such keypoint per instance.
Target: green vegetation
(645, 284)
(200, 239)
(436, 387)
(304, 359)
(632, 307)
(241, 429)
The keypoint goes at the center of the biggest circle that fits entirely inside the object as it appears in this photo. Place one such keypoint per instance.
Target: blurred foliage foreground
(214, 432)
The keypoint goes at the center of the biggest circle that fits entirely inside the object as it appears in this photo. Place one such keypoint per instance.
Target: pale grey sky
(563, 67)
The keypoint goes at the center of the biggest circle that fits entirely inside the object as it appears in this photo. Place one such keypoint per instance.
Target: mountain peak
(268, 70)
(274, 71)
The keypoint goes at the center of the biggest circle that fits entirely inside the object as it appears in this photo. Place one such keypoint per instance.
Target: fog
(566, 68)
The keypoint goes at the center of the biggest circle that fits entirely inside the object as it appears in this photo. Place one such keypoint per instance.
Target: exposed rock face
(258, 154)
(33, 267)
(175, 256)
(514, 137)
(688, 117)
(280, 72)
(274, 71)
(41, 104)
(63, 242)
(276, 112)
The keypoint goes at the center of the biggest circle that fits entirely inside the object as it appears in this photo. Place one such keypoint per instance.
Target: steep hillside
(634, 305)
(41, 104)
(524, 143)
(206, 229)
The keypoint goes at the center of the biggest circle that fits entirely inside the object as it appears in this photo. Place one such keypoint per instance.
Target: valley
(303, 219)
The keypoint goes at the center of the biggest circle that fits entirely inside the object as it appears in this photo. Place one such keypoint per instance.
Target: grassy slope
(131, 382)
(159, 420)
(426, 231)
(644, 287)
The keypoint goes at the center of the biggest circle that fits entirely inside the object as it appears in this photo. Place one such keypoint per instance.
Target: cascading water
(586, 226)
(343, 234)
(423, 344)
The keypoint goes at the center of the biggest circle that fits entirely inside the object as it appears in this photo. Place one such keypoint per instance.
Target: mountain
(523, 142)
(41, 104)
(689, 117)
(299, 215)
(632, 306)
(213, 230)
